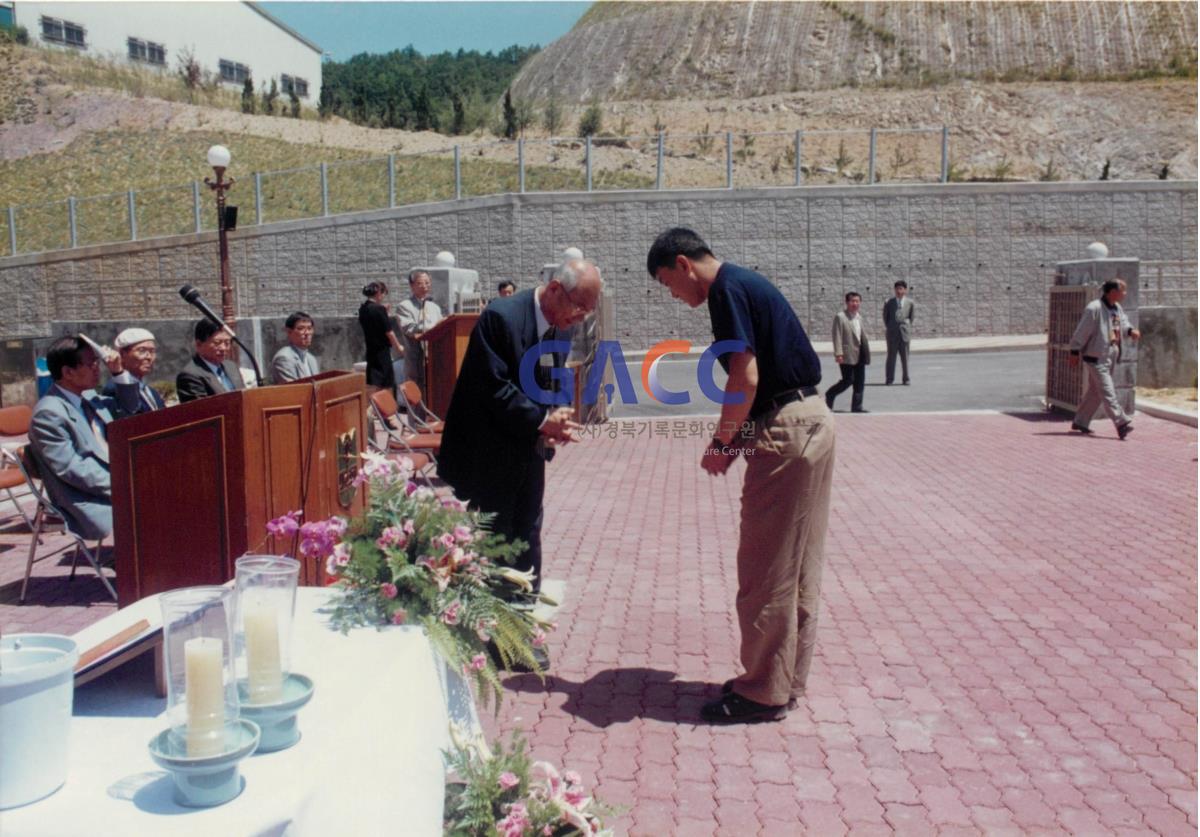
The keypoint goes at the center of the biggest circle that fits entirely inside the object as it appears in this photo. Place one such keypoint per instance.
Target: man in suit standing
(897, 320)
(498, 435)
(137, 350)
(208, 373)
(852, 351)
(294, 361)
(69, 438)
(416, 315)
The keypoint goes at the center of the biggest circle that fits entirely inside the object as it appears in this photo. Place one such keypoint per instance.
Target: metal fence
(663, 161)
(1167, 283)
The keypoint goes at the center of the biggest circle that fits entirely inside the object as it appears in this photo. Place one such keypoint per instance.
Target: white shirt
(856, 326)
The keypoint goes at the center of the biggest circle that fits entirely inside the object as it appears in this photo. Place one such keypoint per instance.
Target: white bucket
(37, 688)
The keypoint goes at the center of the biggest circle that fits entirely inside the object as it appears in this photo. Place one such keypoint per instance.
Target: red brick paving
(999, 653)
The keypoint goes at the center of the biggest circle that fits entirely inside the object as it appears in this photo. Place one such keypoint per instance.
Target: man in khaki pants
(772, 388)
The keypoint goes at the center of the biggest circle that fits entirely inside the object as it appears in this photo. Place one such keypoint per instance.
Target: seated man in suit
(294, 361)
(137, 351)
(209, 373)
(69, 438)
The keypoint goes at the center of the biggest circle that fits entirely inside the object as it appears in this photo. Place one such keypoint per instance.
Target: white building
(232, 39)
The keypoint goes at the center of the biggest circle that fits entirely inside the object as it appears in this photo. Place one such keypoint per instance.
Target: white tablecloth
(368, 762)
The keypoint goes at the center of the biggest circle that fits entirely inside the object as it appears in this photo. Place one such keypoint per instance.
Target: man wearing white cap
(129, 387)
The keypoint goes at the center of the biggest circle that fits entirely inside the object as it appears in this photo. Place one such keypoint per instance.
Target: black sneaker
(727, 688)
(1124, 430)
(735, 709)
(1086, 431)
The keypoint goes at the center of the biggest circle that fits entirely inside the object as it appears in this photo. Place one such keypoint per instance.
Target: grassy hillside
(160, 166)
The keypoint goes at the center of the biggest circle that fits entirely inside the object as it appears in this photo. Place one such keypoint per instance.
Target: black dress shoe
(727, 689)
(1086, 431)
(860, 410)
(518, 666)
(829, 403)
(1124, 430)
(732, 708)
(906, 383)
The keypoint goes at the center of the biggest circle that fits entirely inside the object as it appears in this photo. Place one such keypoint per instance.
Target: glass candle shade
(266, 607)
(202, 698)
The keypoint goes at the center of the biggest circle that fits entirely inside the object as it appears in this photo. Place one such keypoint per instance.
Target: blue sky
(346, 29)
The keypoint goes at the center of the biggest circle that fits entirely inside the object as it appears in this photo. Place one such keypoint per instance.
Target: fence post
(799, 147)
(196, 204)
(521, 165)
(871, 159)
(325, 190)
(658, 177)
(72, 224)
(587, 160)
(391, 181)
(258, 213)
(457, 173)
(729, 159)
(132, 216)
(945, 154)
(12, 231)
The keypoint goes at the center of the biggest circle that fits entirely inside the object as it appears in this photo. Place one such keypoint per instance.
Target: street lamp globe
(218, 157)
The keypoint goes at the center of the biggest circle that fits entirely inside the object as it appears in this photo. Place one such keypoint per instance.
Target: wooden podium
(194, 485)
(445, 348)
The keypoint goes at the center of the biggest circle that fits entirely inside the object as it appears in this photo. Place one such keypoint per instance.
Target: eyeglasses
(576, 307)
(150, 352)
(221, 344)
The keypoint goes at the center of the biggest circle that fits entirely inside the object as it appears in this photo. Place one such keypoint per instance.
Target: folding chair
(14, 426)
(401, 437)
(47, 518)
(417, 408)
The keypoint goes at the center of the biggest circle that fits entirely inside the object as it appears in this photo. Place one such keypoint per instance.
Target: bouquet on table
(416, 558)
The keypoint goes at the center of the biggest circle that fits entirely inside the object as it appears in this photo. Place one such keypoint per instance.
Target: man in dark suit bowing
(209, 373)
(499, 430)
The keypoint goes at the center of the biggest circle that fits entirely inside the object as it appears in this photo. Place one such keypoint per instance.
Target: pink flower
(410, 489)
(445, 540)
(575, 797)
(454, 503)
(539, 637)
(483, 629)
(509, 780)
(409, 526)
(392, 536)
(286, 526)
(331, 567)
(450, 614)
(463, 534)
(572, 777)
(400, 617)
(547, 831)
(341, 554)
(478, 662)
(389, 590)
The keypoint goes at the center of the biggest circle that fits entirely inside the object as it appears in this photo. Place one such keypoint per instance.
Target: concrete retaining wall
(1167, 352)
(977, 256)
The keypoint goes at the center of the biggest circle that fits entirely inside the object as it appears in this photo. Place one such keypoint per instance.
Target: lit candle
(205, 695)
(264, 673)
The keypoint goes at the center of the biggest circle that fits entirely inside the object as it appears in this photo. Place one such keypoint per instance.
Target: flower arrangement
(416, 558)
(501, 792)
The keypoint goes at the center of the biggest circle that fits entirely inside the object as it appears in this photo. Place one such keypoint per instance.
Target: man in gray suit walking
(69, 437)
(852, 350)
(897, 319)
(294, 361)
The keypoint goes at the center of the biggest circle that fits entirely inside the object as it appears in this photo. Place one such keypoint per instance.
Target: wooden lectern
(194, 485)
(445, 348)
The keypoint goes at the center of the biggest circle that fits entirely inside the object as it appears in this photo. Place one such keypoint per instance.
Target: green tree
(510, 117)
(248, 95)
(294, 100)
(459, 124)
(592, 121)
(269, 97)
(552, 115)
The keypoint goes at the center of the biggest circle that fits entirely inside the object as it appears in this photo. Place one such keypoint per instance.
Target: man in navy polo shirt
(773, 415)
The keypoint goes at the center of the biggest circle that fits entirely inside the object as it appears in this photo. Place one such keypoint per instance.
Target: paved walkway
(998, 653)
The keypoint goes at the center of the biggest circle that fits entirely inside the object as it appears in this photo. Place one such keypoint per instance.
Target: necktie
(97, 424)
(223, 377)
(545, 364)
(148, 396)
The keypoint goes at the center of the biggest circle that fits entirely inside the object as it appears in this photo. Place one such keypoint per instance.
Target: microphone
(192, 297)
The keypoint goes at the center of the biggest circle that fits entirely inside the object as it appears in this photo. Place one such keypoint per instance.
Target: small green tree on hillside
(295, 103)
(248, 95)
(592, 121)
(510, 117)
(268, 98)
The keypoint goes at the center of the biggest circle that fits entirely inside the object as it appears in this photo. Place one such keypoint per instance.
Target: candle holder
(205, 737)
(269, 693)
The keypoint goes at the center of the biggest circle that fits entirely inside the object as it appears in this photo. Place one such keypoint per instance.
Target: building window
(62, 32)
(232, 71)
(293, 83)
(147, 51)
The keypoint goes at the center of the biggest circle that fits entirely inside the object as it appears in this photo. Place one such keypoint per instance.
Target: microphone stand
(257, 372)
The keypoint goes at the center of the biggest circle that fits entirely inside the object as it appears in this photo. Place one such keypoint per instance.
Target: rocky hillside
(626, 51)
